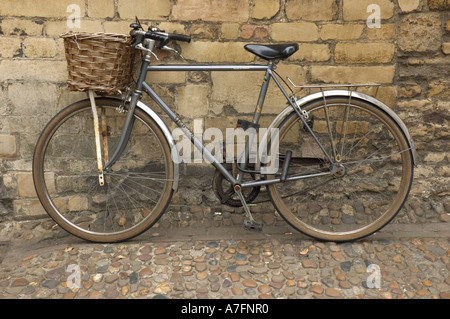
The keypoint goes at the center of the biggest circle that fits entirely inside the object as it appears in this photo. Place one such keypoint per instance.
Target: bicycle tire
(367, 142)
(137, 189)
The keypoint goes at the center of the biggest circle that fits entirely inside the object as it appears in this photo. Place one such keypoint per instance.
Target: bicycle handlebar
(157, 35)
(180, 37)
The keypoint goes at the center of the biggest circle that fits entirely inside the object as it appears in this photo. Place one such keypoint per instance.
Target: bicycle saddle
(272, 51)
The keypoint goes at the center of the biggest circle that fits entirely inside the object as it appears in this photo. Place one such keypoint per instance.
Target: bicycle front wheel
(374, 177)
(136, 189)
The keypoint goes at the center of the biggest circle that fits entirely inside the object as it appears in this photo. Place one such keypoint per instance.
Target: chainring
(225, 192)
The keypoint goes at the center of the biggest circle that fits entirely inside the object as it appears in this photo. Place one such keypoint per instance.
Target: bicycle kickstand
(250, 223)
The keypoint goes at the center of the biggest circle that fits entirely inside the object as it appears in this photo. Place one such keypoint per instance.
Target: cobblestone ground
(253, 266)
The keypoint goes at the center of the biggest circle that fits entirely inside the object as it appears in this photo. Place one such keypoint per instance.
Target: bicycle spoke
(373, 171)
(137, 187)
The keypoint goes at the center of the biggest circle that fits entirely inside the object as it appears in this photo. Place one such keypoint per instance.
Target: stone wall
(407, 52)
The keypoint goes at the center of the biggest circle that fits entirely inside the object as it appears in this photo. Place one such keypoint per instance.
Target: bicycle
(345, 159)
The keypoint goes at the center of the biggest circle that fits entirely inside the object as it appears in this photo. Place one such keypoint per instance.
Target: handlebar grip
(156, 36)
(179, 37)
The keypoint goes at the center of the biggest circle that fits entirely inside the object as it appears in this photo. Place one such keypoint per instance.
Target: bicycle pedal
(252, 225)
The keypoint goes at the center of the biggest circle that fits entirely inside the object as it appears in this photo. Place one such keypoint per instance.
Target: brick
(56, 28)
(10, 47)
(60, 52)
(265, 9)
(40, 47)
(435, 157)
(25, 185)
(446, 48)
(28, 207)
(357, 9)
(311, 10)
(8, 186)
(21, 27)
(216, 52)
(408, 5)
(312, 52)
(123, 27)
(230, 31)
(33, 70)
(385, 32)
(439, 89)
(193, 100)
(352, 74)
(439, 5)
(172, 27)
(364, 52)
(228, 87)
(255, 32)
(15, 124)
(417, 104)
(144, 9)
(300, 31)
(443, 105)
(386, 94)
(212, 10)
(341, 31)
(101, 9)
(203, 31)
(41, 8)
(77, 203)
(409, 90)
(7, 145)
(33, 98)
(119, 27)
(420, 32)
(166, 77)
(66, 97)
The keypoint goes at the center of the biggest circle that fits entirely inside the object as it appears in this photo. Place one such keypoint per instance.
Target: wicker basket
(98, 61)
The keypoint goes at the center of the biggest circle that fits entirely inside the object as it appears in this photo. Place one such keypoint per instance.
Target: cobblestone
(245, 266)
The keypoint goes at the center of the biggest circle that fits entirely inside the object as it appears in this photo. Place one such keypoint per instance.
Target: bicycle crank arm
(250, 222)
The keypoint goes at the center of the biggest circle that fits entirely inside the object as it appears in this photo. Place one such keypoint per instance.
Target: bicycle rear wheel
(376, 170)
(136, 190)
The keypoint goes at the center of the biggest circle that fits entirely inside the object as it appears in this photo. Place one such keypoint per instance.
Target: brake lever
(165, 47)
(141, 47)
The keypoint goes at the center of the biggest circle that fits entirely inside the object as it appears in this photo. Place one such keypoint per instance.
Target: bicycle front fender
(169, 138)
(351, 95)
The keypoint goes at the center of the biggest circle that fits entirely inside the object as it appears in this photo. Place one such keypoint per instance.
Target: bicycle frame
(143, 86)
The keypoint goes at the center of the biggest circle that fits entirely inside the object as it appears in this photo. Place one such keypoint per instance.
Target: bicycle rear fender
(169, 138)
(350, 95)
